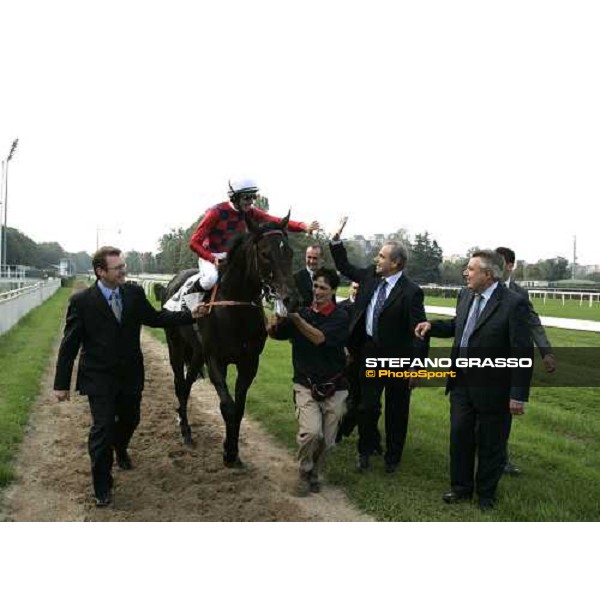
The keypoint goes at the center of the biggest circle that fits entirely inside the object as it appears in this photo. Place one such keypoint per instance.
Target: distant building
(66, 268)
(585, 270)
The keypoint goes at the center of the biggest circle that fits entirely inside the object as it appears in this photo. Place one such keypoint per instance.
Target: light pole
(1, 226)
(8, 159)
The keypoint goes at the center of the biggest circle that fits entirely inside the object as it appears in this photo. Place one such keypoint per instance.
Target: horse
(234, 331)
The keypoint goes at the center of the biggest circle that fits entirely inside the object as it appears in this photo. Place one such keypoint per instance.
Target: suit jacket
(347, 306)
(111, 358)
(537, 329)
(502, 325)
(305, 286)
(401, 312)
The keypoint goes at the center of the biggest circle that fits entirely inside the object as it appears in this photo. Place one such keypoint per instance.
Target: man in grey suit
(490, 319)
(537, 332)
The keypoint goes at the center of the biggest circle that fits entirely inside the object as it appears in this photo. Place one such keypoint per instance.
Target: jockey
(219, 224)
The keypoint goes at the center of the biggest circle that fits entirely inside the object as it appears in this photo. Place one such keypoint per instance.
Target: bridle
(268, 293)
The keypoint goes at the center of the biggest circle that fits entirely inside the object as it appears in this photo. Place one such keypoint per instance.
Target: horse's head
(274, 260)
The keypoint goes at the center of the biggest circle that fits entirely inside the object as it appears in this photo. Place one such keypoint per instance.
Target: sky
(476, 121)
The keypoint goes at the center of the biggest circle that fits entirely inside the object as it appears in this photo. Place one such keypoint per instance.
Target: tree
(134, 262)
(82, 260)
(262, 202)
(451, 271)
(425, 259)
(49, 254)
(554, 269)
(20, 249)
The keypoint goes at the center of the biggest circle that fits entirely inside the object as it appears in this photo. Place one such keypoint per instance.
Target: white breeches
(207, 272)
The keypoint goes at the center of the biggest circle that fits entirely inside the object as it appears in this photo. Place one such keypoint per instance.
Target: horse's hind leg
(182, 387)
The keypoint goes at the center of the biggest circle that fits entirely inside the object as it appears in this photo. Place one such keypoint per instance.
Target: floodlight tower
(5, 164)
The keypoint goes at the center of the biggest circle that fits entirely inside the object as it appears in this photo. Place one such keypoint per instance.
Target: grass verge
(24, 354)
(571, 309)
(557, 445)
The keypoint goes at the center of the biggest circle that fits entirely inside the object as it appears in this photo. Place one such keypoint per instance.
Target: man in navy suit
(105, 320)
(537, 332)
(489, 319)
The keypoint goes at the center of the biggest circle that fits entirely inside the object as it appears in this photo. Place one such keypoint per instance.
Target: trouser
(114, 419)
(477, 428)
(317, 426)
(207, 273)
(348, 423)
(207, 276)
(507, 428)
(397, 409)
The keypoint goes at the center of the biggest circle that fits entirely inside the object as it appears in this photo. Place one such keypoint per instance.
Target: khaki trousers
(317, 427)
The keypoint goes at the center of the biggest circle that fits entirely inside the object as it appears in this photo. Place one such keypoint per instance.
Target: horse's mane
(238, 241)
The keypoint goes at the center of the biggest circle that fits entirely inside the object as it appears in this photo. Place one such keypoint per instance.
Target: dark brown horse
(258, 264)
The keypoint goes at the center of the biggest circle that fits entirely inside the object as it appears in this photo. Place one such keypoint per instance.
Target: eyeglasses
(249, 197)
(122, 267)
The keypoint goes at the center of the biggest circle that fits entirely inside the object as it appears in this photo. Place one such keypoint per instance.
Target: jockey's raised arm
(264, 217)
(219, 225)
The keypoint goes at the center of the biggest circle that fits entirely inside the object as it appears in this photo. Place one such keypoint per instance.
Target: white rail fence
(148, 280)
(560, 323)
(589, 298)
(15, 304)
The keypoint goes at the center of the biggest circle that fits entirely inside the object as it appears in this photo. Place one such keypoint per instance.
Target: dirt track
(170, 482)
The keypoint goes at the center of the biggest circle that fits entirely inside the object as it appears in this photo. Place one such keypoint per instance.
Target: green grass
(24, 354)
(557, 444)
(552, 308)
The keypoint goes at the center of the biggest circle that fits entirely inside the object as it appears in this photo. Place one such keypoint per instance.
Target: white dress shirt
(392, 280)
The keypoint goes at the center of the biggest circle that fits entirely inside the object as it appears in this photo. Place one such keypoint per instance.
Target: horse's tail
(160, 292)
(194, 354)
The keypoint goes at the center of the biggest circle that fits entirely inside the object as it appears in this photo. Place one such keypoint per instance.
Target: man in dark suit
(304, 277)
(537, 331)
(388, 306)
(348, 303)
(348, 422)
(490, 319)
(105, 321)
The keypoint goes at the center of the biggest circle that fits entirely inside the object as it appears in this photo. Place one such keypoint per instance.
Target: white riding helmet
(242, 186)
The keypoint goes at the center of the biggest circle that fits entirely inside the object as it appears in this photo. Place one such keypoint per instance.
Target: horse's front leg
(246, 372)
(217, 371)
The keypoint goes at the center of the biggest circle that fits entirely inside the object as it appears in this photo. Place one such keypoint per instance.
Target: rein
(214, 302)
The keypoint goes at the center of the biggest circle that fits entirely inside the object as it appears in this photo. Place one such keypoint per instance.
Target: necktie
(471, 322)
(114, 305)
(379, 302)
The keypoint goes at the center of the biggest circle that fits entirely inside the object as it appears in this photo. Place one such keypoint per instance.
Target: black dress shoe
(511, 469)
(363, 463)
(103, 500)
(124, 461)
(452, 497)
(391, 467)
(486, 504)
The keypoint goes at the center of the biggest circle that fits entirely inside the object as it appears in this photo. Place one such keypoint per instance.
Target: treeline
(550, 269)
(425, 265)
(44, 256)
